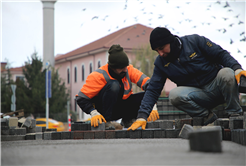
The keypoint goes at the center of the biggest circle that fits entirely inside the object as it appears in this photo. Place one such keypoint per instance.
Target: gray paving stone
(4, 130)
(166, 124)
(223, 122)
(198, 121)
(12, 137)
(80, 126)
(89, 135)
(30, 130)
(236, 122)
(185, 131)
(78, 135)
(4, 122)
(100, 134)
(17, 131)
(34, 136)
(47, 135)
(109, 134)
(205, 140)
(208, 128)
(135, 133)
(244, 120)
(122, 134)
(226, 134)
(151, 125)
(56, 135)
(159, 133)
(179, 123)
(99, 127)
(148, 133)
(66, 135)
(172, 133)
(51, 130)
(38, 129)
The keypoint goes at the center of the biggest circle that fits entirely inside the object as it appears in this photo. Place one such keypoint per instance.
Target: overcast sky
(80, 22)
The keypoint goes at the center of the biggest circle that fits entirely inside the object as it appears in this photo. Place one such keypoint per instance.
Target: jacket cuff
(142, 115)
(237, 66)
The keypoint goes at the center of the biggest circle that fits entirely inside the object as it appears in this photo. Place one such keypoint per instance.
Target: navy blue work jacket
(199, 62)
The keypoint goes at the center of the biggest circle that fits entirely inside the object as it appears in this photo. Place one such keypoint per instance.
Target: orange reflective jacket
(99, 78)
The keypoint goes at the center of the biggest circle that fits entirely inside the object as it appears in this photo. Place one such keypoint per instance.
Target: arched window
(90, 68)
(99, 64)
(75, 74)
(68, 76)
(83, 72)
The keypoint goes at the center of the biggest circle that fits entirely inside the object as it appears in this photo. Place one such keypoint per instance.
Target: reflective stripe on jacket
(99, 78)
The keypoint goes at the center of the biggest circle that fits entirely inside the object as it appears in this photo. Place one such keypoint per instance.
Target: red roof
(129, 37)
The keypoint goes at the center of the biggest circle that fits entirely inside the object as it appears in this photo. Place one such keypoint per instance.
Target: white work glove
(95, 117)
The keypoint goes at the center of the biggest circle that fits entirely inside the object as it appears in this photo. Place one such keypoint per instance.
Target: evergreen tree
(6, 91)
(31, 92)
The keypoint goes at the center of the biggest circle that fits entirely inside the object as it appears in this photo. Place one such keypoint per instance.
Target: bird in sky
(227, 5)
(231, 41)
(95, 17)
(242, 33)
(224, 30)
(84, 9)
(231, 25)
(240, 22)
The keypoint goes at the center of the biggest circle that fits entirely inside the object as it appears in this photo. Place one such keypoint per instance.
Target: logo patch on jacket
(192, 56)
(166, 65)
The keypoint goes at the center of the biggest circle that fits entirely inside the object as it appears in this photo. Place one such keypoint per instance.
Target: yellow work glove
(95, 117)
(239, 73)
(154, 115)
(140, 122)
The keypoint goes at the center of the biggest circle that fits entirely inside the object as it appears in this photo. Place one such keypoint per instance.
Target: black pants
(113, 107)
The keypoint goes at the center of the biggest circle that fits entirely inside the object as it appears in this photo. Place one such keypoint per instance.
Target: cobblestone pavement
(116, 152)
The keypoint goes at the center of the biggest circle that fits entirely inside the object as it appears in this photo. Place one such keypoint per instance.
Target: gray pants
(197, 102)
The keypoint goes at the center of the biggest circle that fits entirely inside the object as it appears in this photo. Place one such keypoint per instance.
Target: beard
(122, 74)
(175, 49)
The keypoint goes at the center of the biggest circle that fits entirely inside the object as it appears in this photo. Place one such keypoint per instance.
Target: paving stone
(179, 123)
(38, 129)
(109, 134)
(78, 135)
(159, 133)
(47, 135)
(51, 130)
(151, 125)
(56, 135)
(198, 121)
(166, 124)
(99, 127)
(148, 133)
(89, 135)
(223, 122)
(135, 133)
(80, 126)
(43, 129)
(66, 135)
(4, 130)
(208, 128)
(17, 131)
(24, 122)
(208, 140)
(236, 122)
(100, 134)
(4, 122)
(122, 134)
(34, 136)
(30, 130)
(172, 133)
(185, 131)
(12, 137)
(244, 120)
(12, 122)
(226, 134)
(244, 137)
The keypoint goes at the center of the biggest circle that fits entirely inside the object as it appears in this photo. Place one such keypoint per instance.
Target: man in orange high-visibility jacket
(109, 89)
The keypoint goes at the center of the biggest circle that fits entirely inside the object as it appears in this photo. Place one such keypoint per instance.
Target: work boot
(210, 118)
(127, 122)
(109, 126)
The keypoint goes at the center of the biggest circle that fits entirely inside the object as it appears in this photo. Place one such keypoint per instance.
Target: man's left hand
(239, 73)
(153, 116)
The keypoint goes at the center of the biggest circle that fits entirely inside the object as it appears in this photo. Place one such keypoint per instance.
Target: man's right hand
(95, 117)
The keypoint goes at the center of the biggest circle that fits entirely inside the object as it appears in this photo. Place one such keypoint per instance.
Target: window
(90, 67)
(75, 74)
(21, 78)
(83, 72)
(68, 76)
(99, 64)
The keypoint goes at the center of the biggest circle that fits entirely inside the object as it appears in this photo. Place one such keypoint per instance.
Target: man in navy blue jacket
(203, 71)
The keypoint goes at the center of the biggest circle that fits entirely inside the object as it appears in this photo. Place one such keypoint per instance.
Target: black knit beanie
(159, 37)
(117, 58)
